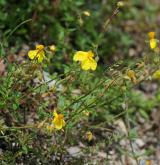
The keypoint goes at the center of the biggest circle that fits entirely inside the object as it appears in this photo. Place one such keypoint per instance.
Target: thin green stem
(85, 95)
(19, 25)
(93, 102)
(129, 128)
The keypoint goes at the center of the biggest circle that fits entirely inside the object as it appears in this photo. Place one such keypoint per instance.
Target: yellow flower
(37, 53)
(86, 59)
(153, 41)
(156, 74)
(89, 136)
(58, 121)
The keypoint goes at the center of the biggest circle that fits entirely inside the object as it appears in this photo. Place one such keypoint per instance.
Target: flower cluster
(85, 58)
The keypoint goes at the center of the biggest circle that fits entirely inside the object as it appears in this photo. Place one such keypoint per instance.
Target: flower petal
(93, 64)
(41, 56)
(90, 54)
(85, 65)
(151, 35)
(39, 47)
(153, 43)
(80, 56)
(32, 54)
(55, 114)
(89, 64)
(58, 123)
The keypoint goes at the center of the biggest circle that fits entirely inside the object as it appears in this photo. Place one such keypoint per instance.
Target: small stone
(140, 143)
(102, 155)
(121, 126)
(74, 151)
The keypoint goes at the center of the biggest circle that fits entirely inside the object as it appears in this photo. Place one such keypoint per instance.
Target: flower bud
(52, 48)
(120, 4)
(87, 13)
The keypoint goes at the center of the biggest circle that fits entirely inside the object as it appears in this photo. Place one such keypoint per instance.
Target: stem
(108, 21)
(129, 128)
(98, 126)
(88, 93)
(120, 114)
(93, 102)
(17, 27)
(47, 82)
(24, 116)
(23, 127)
(105, 25)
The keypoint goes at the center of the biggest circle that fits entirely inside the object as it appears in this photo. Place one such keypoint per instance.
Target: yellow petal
(55, 114)
(39, 47)
(40, 59)
(151, 35)
(58, 127)
(90, 54)
(80, 56)
(41, 56)
(85, 65)
(58, 123)
(153, 43)
(93, 64)
(89, 64)
(32, 54)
